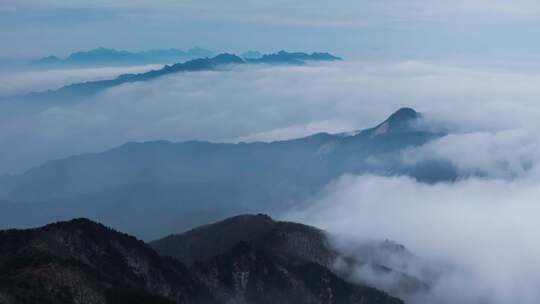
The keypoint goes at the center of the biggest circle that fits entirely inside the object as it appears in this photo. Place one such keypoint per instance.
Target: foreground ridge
(80, 261)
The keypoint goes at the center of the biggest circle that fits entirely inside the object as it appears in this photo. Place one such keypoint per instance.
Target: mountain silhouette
(186, 184)
(80, 261)
(79, 90)
(107, 57)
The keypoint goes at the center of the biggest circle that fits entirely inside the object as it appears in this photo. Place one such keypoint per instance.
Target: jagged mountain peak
(402, 120)
(226, 58)
(403, 114)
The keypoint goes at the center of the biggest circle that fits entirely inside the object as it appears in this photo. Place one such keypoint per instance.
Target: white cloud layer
(13, 82)
(487, 230)
(269, 103)
(506, 154)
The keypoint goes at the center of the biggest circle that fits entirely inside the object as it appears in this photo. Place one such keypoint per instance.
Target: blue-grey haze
(459, 186)
(458, 30)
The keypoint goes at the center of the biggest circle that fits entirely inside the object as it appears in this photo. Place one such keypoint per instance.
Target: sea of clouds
(275, 103)
(483, 225)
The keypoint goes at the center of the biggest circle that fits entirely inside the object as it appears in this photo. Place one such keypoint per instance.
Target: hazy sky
(458, 29)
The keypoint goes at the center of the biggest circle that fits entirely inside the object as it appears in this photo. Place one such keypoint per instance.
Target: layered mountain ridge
(223, 60)
(186, 184)
(296, 243)
(104, 56)
(80, 261)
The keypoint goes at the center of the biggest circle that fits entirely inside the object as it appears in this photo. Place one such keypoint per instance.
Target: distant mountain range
(295, 58)
(107, 57)
(79, 90)
(180, 185)
(251, 55)
(81, 261)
